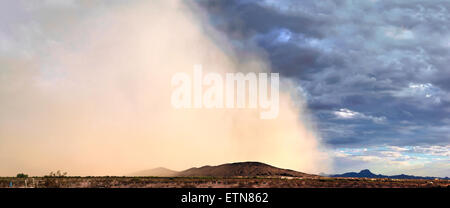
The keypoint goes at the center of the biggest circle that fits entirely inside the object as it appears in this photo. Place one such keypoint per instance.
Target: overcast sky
(375, 73)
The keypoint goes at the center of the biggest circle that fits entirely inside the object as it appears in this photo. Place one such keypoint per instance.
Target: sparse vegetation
(224, 176)
(57, 174)
(22, 175)
(232, 182)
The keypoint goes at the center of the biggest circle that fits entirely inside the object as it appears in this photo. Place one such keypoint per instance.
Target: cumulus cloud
(349, 114)
(417, 160)
(432, 150)
(382, 64)
(389, 58)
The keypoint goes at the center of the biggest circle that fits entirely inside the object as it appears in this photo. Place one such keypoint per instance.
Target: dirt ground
(206, 182)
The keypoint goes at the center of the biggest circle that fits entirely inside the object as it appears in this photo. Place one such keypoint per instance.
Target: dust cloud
(93, 97)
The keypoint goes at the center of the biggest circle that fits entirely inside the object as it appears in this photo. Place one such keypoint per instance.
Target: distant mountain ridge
(158, 172)
(244, 169)
(368, 174)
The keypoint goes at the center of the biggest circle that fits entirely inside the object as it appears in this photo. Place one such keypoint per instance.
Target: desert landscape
(224, 94)
(232, 175)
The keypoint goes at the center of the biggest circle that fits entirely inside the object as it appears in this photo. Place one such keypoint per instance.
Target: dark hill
(249, 169)
(244, 169)
(367, 174)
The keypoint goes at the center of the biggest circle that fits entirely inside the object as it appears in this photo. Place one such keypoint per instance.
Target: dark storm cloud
(377, 59)
(244, 18)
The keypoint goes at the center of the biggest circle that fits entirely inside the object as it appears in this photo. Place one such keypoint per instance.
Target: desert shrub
(22, 175)
(57, 174)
